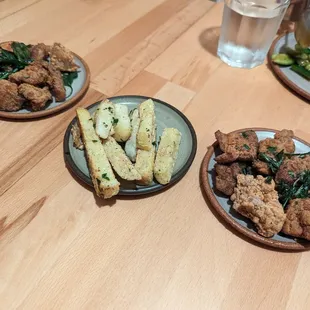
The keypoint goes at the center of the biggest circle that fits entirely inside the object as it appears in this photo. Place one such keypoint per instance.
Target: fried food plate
(80, 86)
(223, 206)
(166, 116)
(291, 79)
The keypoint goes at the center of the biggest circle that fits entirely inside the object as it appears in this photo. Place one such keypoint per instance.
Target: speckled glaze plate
(80, 86)
(223, 205)
(166, 116)
(290, 78)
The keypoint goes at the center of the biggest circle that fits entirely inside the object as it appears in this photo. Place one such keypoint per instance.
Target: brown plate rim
(207, 187)
(279, 73)
(62, 106)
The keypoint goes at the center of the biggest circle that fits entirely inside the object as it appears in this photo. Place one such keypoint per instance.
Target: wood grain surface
(61, 248)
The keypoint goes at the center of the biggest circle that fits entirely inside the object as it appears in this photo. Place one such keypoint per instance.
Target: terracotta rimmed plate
(80, 86)
(166, 116)
(290, 78)
(222, 204)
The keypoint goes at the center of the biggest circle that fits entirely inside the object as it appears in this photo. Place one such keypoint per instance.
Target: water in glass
(248, 29)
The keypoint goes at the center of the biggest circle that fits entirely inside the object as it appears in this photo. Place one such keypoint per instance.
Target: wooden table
(61, 248)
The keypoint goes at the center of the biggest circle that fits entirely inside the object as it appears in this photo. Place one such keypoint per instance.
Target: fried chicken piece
(62, 59)
(10, 99)
(291, 168)
(226, 177)
(283, 140)
(237, 146)
(38, 97)
(297, 221)
(39, 52)
(33, 74)
(56, 84)
(257, 200)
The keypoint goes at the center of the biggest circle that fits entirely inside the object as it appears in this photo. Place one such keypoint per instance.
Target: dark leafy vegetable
(21, 52)
(300, 188)
(273, 163)
(68, 78)
(268, 180)
(301, 71)
(13, 62)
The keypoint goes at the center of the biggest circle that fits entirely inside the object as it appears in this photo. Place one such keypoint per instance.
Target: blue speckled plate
(166, 116)
(293, 80)
(223, 205)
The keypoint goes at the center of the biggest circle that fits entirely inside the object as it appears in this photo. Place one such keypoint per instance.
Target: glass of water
(248, 29)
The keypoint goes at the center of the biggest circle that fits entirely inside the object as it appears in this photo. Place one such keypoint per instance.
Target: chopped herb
(154, 143)
(105, 176)
(95, 141)
(300, 155)
(115, 121)
(94, 125)
(244, 135)
(246, 147)
(110, 109)
(299, 189)
(291, 174)
(147, 129)
(246, 170)
(272, 149)
(90, 119)
(268, 180)
(273, 163)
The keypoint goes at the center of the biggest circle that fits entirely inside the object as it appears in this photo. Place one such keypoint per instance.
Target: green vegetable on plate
(282, 59)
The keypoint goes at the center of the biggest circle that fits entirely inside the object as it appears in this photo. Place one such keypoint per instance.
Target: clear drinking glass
(302, 31)
(248, 29)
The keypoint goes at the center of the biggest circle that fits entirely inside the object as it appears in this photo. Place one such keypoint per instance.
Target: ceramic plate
(223, 205)
(293, 80)
(80, 86)
(166, 116)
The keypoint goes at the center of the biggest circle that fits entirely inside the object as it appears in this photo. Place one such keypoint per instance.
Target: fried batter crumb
(257, 200)
(297, 221)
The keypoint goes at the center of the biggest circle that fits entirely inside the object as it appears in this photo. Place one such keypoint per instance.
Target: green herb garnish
(95, 141)
(68, 78)
(300, 155)
(246, 170)
(299, 189)
(246, 147)
(105, 176)
(291, 174)
(273, 163)
(244, 135)
(268, 180)
(115, 121)
(154, 143)
(272, 149)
